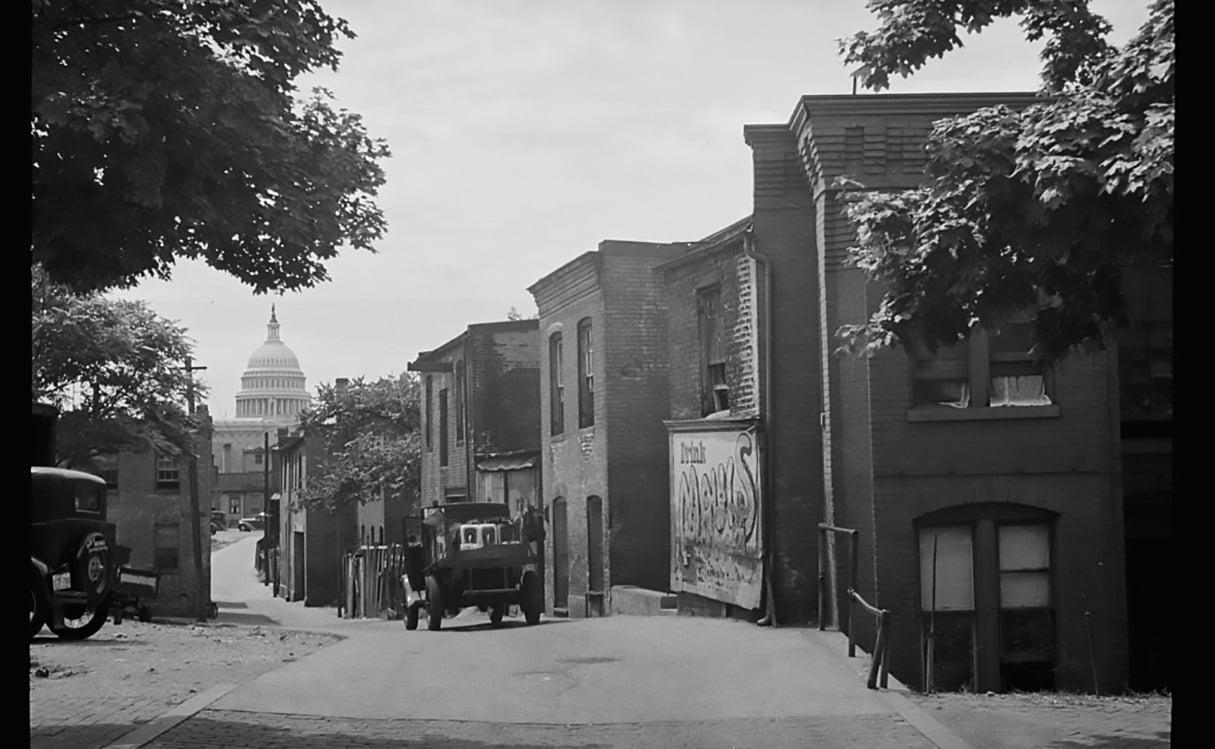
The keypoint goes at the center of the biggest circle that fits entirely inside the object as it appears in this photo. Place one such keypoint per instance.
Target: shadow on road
(257, 730)
(453, 626)
(1162, 740)
(230, 617)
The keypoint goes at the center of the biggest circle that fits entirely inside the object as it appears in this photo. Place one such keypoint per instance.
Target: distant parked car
(255, 523)
(219, 521)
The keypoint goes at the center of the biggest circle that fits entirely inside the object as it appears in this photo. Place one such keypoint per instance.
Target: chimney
(340, 384)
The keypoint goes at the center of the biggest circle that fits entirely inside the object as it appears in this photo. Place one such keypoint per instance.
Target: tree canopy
(115, 369)
(369, 442)
(1038, 210)
(168, 129)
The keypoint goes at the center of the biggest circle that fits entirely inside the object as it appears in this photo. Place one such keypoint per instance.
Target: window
(556, 381)
(443, 427)
(715, 390)
(460, 402)
(1145, 347)
(992, 369)
(166, 546)
(168, 472)
(88, 497)
(234, 506)
(429, 395)
(586, 375)
(257, 459)
(107, 469)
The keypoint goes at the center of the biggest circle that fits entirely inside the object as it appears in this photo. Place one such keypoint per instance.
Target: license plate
(62, 581)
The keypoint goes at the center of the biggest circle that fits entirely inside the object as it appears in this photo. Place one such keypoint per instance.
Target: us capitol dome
(273, 387)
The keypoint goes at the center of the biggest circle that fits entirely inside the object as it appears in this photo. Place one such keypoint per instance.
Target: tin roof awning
(508, 462)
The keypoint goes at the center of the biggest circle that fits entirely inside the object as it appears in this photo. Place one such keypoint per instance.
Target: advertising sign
(716, 529)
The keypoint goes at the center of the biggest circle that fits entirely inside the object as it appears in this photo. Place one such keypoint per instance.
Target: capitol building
(272, 395)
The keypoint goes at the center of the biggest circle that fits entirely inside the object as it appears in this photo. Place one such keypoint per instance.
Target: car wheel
(533, 597)
(411, 618)
(38, 604)
(434, 603)
(496, 613)
(81, 620)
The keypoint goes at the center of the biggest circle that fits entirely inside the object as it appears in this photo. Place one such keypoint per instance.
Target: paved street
(614, 682)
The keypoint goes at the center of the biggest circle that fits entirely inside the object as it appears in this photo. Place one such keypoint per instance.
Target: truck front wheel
(434, 603)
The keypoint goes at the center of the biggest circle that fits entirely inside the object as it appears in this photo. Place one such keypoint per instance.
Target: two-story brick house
(149, 503)
(603, 397)
(481, 416)
(985, 490)
(311, 540)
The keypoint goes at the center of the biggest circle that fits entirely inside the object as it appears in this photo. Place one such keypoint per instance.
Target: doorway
(594, 556)
(561, 556)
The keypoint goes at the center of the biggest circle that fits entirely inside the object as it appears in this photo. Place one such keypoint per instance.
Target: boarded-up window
(166, 546)
(946, 569)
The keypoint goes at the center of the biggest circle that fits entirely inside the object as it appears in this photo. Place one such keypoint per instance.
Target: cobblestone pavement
(86, 694)
(238, 730)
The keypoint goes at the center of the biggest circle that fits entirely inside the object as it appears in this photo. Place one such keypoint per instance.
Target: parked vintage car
(255, 523)
(474, 554)
(73, 554)
(219, 521)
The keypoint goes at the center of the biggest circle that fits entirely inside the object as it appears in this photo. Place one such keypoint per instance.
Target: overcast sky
(524, 132)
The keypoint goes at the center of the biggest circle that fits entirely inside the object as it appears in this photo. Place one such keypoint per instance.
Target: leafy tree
(1037, 210)
(166, 129)
(369, 440)
(114, 368)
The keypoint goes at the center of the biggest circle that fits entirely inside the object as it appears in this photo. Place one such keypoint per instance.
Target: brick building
(310, 541)
(148, 500)
(480, 416)
(603, 396)
(985, 491)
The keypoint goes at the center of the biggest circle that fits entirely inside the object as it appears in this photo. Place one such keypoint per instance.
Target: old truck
(474, 554)
(76, 567)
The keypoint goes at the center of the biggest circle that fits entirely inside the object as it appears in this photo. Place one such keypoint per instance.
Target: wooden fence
(371, 582)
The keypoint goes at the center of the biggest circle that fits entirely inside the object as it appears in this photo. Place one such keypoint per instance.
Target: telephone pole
(201, 592)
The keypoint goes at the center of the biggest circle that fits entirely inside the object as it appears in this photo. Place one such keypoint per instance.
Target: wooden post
(851, 632)
(854, 555)
(201, 591)
(822, 573)
(879, 644)
(885, 627)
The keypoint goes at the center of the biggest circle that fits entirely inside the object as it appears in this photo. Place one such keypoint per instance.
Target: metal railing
(879, 664)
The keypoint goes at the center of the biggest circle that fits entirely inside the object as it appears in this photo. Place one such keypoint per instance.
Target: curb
(149, 731)
(892, 697)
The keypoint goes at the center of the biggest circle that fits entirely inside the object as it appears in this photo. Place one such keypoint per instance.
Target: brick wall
(784, 232)
(883, 471)
(137, 507)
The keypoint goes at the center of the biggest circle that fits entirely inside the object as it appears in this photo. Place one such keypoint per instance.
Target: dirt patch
(1052, 719)
(144, 668)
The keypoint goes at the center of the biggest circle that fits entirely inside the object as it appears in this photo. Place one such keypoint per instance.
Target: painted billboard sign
(717, 541)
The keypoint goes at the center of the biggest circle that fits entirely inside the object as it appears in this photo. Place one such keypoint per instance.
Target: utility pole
(200, 594)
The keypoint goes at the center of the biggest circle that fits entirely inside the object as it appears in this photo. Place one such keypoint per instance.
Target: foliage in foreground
(369, 442)
(114, 368)
(1040, 209)
(168, 129)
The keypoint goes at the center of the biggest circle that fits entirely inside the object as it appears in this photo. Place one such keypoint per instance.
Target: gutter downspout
(748, 247)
